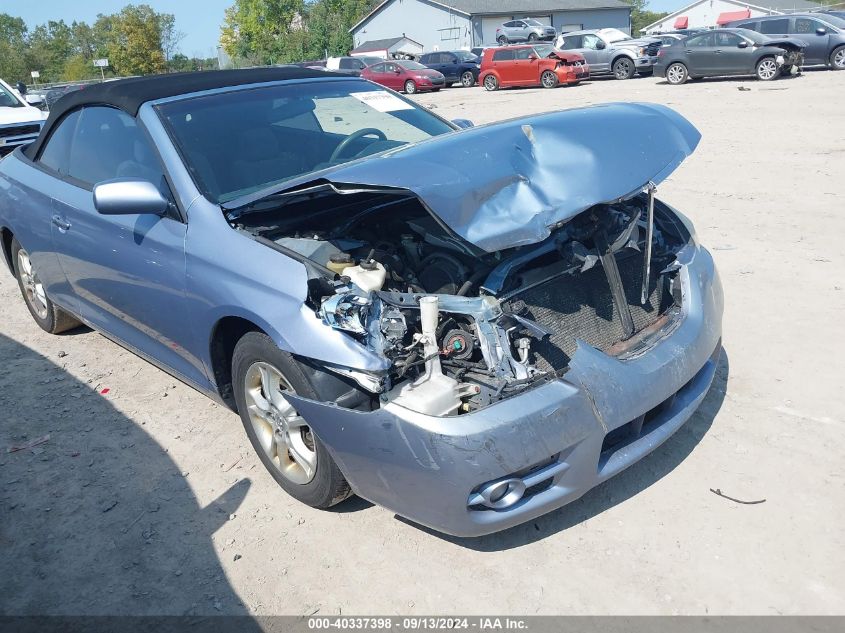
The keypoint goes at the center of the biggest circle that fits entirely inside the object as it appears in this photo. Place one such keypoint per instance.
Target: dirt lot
(147, 498)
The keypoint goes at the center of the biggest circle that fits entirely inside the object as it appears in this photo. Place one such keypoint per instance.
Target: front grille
(19, 130)
(580, 306)
(653, 48)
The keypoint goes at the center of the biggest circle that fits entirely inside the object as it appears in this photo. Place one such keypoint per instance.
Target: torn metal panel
(509, 184)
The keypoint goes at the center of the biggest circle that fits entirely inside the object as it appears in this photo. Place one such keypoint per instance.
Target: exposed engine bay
(462, 327)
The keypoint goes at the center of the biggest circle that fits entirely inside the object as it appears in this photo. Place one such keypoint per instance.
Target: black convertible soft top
(130, 94)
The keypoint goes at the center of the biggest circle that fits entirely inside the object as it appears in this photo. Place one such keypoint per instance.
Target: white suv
(20, 123)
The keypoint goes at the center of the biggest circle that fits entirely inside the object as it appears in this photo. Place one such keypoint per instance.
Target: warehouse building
(462, 24)
(714, 13)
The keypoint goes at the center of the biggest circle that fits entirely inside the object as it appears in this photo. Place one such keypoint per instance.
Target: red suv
(531, 65)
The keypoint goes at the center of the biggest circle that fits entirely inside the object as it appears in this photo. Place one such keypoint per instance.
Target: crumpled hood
(508, 184)
(566, 56)
(788, 41)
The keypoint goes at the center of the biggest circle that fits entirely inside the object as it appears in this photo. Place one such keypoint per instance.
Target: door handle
(62, 224)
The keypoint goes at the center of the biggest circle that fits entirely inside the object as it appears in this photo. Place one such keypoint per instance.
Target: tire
(624, 68)
(532, 37)
(259, 369)
(47, 315)
(502, 40)
(410, 87)
(837, 58)
(767, 69)
(467, 79)
(491, 84)
(677, 74)
(548, 79)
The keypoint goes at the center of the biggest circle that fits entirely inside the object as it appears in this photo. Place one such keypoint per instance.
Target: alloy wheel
(410, 87)
(548, 79)
(839, 58)
(676, 74)
(467, 80)
(282, 433)
(623, 69)
(767, 69)
(490, 83)
(32, 286)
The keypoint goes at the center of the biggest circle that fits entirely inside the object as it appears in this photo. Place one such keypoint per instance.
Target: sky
(200, 20)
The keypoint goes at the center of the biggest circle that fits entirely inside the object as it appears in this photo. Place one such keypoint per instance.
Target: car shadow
(737, 79)
(616, 490)
(97, 519)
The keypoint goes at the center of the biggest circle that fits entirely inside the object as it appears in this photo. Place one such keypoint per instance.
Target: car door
(596, 55)
(127, 272)
(503, 64)
(816, 35)
(699, 53)
(525, 71)
(728, 57)
(394, 76)
(449, 67)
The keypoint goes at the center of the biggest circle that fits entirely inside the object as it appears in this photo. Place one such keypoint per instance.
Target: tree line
(136, 41)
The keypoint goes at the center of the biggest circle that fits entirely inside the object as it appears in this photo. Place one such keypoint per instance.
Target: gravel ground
(147, 499)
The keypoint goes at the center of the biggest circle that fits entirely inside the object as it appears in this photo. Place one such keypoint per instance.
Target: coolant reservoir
(368, 275)
(339, 262)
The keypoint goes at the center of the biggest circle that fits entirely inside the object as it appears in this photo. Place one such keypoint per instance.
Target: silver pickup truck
(612, 51)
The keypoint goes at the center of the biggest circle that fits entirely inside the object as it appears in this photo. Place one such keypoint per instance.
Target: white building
(713, 13)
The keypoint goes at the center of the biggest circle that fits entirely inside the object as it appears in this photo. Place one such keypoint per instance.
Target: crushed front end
(523, 367)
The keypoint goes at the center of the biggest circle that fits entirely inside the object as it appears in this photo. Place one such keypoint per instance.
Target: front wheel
(491, 83)
(284, 442)
(45, 313)
(532, 37)
(467, 79)
(410, 87)
(837, 58)
(548, 79)
(676, 74)
(623, 68)
(767, 69)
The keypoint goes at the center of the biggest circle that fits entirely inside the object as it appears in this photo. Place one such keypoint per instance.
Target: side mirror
(821, 31)
(600, 45)
(397, 71)
(129, 197)
(463, 123)
(742, 44)
(454, 61)
(532, 57)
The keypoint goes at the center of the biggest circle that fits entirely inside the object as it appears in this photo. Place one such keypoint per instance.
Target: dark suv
(824, 35)
(456, 66)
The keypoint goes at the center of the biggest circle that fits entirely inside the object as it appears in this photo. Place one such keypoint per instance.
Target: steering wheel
(345, 143)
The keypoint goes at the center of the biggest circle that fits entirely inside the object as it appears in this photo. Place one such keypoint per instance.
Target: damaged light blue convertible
(470, 327)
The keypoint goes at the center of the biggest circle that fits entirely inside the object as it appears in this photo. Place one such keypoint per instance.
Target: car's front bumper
(646, 62)
(551, 437)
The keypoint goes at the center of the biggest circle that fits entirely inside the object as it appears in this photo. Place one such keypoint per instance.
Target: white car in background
(20, 122)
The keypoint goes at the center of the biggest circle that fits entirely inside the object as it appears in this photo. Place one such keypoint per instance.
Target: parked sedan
(525, 66)
(457, 66)
(729, 52)
(405, 75)
(470, 327)
(525, 30)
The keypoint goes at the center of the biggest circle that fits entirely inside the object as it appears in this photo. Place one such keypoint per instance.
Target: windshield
(533, 23)
(614, 35)
(409, 65)
(465, 56)
(833, 20)
(240, 142)
(8, 99)
(544, 50)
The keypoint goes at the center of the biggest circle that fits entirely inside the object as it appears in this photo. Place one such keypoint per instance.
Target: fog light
(501, 494)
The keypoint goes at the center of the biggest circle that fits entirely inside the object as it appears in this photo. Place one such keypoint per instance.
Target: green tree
(132, 40)
(641, 17)
(263, 31)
